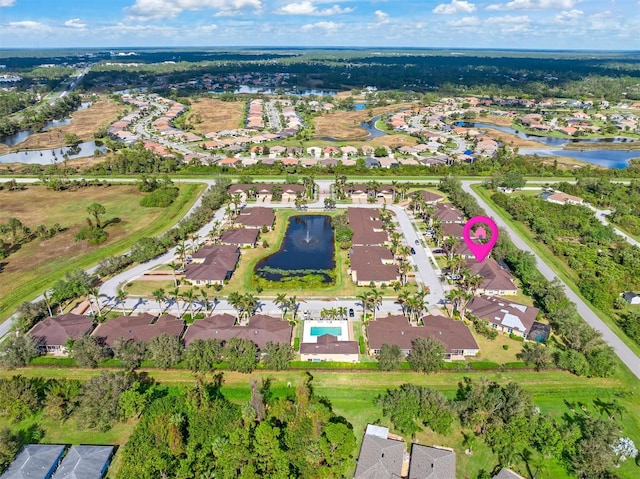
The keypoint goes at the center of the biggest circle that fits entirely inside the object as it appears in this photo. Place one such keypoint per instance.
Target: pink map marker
(479, 250)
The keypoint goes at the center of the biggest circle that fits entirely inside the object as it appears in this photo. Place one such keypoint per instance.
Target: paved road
(602, 216)
(627, 356)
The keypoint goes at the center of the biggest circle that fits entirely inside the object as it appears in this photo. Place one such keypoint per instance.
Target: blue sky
(532, 24)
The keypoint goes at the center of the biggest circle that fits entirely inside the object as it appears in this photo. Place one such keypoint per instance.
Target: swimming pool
(320, 330)
(314, 328)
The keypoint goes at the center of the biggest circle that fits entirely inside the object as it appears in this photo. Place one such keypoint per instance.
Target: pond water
(370, 126)
(307, 248)
(53, 155)
(606, 158)
(22, 135)
(544, 139)
(600, 157)
(271, 91)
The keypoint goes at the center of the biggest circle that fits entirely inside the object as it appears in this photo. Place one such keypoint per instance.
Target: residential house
(452, 230)
(261, 329)
(429, 197)
(372, 264)
(358, 193)
(35, 461)
(380, 456)
(329, 348)
(212, 264)
(143, 327)
(507, 474)
(455, 335)
(367, 226)
(240, 237)
(388, 162)
(371, 162)
(504, 315)
(447, 213)
(256, 217)
(432, 462)
(85, 462)
(233, 162)
(496, 279)
(52, 334)
(561, 198)
(631, 297)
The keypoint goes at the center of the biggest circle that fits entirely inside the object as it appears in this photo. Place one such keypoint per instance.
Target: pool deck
(346, 330)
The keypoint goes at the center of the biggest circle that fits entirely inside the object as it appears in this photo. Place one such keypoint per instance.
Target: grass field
(351, 394)
(38, 264)
(211, 114)
(84, 124)
(558, 266)
(345, 125)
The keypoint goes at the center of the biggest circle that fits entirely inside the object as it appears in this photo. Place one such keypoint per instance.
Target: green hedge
(296, 344)
(362, 345)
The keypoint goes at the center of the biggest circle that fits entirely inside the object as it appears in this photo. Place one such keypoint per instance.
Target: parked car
(418, 241)
(352, 313)
(413, 251)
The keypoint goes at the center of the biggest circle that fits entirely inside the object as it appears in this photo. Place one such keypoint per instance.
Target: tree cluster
(201, 434)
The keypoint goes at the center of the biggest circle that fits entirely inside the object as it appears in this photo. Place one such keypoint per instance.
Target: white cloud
(144, 10)
(29, 25)
(534, 5)
(307, 7)
(456, 6)
(568, 16)
(381, 17)
(75, 23)
(465, 22)
(7, 3)
(328, 27)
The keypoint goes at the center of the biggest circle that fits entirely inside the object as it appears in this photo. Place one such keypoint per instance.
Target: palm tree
(376, 300)
(48, 303)
(455, 264)
(365, 300)
(235, 300)
(249, 305)
(281, 302)
(205, 301)
(403, 268)
(189, 296)
(293, 306)
(449, 245)
(174, 267)
(403, 297)
(159, 296)
(95, 292)
(175, 294)
(181, 251)
(342, 312)
(121, 297)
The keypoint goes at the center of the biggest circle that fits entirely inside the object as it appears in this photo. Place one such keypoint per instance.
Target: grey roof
(432, 463)
(85, 462)
(380, 458)
(378, 431)
(37, 461)
(507, 474)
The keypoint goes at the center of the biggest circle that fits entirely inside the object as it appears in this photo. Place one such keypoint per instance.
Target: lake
(308, 247)
(53, 155)
(22, 135)
(600, 157)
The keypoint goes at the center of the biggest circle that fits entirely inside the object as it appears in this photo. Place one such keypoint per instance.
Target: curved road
(627, 356)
